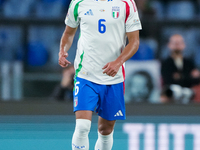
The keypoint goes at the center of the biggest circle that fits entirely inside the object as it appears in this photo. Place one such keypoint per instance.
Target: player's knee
(105, 130)
(106, 127)
(82, 126)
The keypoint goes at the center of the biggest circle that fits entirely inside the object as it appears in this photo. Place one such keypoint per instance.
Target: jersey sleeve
(72, 19)
(132, 21)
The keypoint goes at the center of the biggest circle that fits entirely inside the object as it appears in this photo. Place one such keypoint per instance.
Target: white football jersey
(103, 27)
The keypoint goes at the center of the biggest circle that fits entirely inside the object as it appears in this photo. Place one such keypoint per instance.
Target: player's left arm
(112, 68)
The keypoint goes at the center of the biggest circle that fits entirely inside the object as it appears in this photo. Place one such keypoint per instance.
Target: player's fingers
(113, 74)
(68, 62)
(106, 70)
(109, 72)
(61, 65)
(64, 65)
(63, 62)
(105, 66)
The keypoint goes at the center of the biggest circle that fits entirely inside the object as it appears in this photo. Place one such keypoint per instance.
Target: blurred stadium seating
(27, 26)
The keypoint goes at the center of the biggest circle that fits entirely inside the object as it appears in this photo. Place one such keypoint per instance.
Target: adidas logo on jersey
(119, 113)
(89, 13)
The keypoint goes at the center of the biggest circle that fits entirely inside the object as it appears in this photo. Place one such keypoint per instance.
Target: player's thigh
(85, 96)
(105, 127)
(112, 106)
(83, 114)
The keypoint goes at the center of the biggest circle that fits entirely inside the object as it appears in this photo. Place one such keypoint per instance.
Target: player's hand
(63, 62)
(111, 68)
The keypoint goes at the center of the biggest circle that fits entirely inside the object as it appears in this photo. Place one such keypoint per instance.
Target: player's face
(176, 43)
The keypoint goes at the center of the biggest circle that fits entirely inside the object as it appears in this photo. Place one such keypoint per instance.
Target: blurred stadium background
(30, 32)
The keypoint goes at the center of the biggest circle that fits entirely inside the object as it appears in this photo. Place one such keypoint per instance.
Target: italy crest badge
(115, 12)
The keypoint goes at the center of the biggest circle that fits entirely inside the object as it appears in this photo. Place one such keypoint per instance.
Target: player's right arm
(72, 21)
(65, 44)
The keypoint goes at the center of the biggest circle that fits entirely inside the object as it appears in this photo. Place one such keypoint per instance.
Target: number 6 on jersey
(76, 88)
(102, 27)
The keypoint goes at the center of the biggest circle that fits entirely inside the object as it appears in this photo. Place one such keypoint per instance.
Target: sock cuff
(106, 137)
(83, 121)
